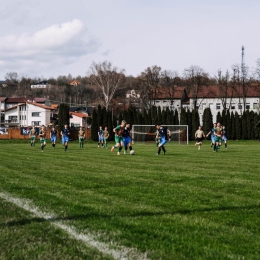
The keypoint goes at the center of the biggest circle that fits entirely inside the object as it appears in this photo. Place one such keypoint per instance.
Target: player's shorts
(100, 138)
(65, 139)
(163, 141)
(53, 139)
(218, 139)
(42, 140)
(199, 139)
(105, 140)
(224, 138)
(213, 139)
(33, 138)
(118, 139)
(126, 140)
(81, 139)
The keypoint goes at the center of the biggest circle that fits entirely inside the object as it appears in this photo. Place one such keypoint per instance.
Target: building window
(233, 106)
(255, 106)
(247, 105)
(203, 106)
(36, 113)
(240, 106)
(36, 123)
(218, 106)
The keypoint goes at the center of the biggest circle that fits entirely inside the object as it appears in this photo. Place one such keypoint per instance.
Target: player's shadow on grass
(23, 222)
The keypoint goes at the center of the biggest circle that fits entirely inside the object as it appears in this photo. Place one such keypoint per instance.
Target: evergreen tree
(99, 116)
(228, 125)
(64, 116)
(224, 118)
(183, 118)
(238, 126)
(255, 127)
(195, 123)
(159, 115)
(189, 121)
(207, 120)
(219, 118)
(176, 118)
(110, 126)
(94, 126)
(233, 126)
(163, 122)
(104, 116)
(244, 126)
(154, 118)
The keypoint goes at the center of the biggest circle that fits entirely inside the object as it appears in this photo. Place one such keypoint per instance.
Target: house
(42, 84)
(75, 83)
(28, 114)
(79, 119)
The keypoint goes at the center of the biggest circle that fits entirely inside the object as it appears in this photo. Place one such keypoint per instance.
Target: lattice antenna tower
(243, 61)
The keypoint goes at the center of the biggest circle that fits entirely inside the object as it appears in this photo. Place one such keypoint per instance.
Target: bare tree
(107, 78)
(151, 79)
(196, 78)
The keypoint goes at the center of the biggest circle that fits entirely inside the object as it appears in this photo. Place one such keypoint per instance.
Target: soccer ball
(132, 152)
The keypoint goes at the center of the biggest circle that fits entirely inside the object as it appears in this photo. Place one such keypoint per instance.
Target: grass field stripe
(122, 254)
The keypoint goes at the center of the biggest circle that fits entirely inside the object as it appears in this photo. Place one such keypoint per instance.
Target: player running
(81, 136)
(212, 135)
(224, 136)
(163, 132)
(127, 138)
(53, 136)
(106, 136)
(100, 137)
(218, 137)
(118, 137)
(199, 135)
(32, 135)
(65, 132)
(42, 135)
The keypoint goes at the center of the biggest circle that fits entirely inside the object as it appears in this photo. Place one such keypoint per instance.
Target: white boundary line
(123, 253)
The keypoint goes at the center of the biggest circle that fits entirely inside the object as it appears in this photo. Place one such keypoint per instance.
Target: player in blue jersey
(100, 137)
(165, 135)
(212, 135)
(53, 136)
(224, 136)
(65, 137)
(127, 138)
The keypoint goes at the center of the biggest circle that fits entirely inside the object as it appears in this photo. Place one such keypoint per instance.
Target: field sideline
(92, 204)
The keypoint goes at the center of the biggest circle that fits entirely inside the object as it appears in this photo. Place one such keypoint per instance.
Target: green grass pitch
(187, 204)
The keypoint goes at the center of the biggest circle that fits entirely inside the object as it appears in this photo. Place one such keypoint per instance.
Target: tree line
(244, 127)
(107, 85)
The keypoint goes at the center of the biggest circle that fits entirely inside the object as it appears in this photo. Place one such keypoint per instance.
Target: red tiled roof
(79, 114)
(40, 105)
(208, 92)
(2, 99)
(16, 100)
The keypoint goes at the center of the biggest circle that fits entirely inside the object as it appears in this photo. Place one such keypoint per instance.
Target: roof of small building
(79, 114)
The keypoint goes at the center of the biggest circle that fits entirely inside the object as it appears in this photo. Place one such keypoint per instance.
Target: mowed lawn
(187, 204)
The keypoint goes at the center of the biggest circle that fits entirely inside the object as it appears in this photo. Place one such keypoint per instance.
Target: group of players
(217, 136)
(65, 132)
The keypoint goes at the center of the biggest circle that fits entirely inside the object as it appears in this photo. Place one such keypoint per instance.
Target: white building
(42, 84)
(211, 97)
(28, 114)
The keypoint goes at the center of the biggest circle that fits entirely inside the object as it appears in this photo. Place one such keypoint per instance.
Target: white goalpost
(146, 133)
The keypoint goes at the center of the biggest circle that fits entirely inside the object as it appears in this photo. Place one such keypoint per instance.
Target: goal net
(146, 133)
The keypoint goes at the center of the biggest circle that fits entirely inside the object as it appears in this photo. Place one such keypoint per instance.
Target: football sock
(163, 149)
(159, 150)
(130, 148)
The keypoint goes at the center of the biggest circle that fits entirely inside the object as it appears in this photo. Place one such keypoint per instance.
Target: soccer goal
(146, 133)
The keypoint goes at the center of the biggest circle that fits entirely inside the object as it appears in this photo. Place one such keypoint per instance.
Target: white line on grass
(122, 254)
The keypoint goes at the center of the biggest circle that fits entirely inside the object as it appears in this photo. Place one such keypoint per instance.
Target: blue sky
(52, 37)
